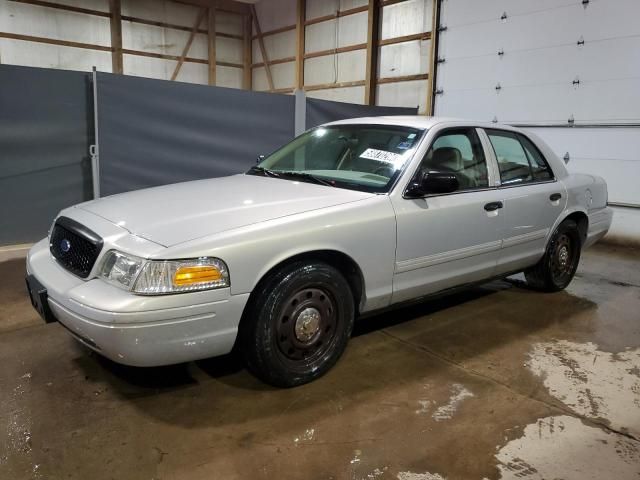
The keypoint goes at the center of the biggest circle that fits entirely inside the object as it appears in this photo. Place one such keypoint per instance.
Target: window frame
(517, 136)
(490, 174)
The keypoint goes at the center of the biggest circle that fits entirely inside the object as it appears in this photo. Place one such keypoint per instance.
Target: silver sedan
(349, 218)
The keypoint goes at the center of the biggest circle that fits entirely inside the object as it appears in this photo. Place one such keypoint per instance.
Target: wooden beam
(301, 14)
(211, 43)
(187, 46)
(164, 56)
(433, 57)
(263, 51)
(387, 3)
(275, 31)
(229, 64)
(68, 8)
(115, 23)
(53, 41)
(326, 86)
(334, 51)
(338, 14)
(371, 72)
(405, 38)
(247, 74)
(403, 78)
(274, 62)
(229, 6)
(173, 26)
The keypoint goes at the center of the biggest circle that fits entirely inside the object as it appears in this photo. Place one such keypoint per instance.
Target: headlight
(173, 276)
(157, 277)
(121, 269)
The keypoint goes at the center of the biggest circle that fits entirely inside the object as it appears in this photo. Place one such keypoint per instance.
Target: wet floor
(495, 382)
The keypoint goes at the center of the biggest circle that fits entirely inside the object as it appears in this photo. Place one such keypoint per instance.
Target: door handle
(555, 196)
(491, 206)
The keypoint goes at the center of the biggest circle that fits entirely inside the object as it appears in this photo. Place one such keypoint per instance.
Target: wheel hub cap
(563, 256)
(307, 324)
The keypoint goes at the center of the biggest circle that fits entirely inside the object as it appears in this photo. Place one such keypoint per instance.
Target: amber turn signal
(190, 275)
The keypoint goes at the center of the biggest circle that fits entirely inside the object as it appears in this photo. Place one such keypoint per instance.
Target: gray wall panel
(154, 132)
(45, 130)
(323, 111)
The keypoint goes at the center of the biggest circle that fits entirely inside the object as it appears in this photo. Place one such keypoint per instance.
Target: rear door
(445, 240)
(533, 198)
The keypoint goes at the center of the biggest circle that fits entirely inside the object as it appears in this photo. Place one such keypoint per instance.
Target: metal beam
(263, 51)
(187, 46)
(115, 23)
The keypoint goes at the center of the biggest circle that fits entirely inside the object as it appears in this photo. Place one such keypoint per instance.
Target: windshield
(358, 157)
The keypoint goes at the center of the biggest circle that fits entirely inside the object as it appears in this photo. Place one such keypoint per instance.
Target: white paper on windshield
(381, 156)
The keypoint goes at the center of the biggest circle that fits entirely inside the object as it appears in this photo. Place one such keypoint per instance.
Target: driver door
(445, 240)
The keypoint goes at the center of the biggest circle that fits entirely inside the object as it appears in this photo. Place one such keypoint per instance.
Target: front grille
(74, 246)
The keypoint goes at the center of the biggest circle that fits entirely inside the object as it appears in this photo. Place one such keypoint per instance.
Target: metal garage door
(567, 69)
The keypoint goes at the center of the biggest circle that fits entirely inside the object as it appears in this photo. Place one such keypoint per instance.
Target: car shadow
(220, 391)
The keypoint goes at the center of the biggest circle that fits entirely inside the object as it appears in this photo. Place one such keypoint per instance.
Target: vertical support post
(115, 22)
(301, 8)
(373, 34)
(433, 58)
(211, 37)
(300, 113)
(263, 51)
(247, 75)
(94, 149)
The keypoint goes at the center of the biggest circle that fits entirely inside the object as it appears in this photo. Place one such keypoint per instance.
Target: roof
(415, 121)
(418, 121)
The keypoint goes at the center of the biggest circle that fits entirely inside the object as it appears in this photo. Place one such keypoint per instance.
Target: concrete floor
(496, 382)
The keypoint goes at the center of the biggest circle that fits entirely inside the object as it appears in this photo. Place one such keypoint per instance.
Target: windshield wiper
(308, 176)
(265, 171)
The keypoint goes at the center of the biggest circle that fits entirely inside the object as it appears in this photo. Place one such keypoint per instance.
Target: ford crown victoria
(347, 219)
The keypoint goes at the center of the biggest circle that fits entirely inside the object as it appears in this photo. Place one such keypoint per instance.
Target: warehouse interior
(496, 381)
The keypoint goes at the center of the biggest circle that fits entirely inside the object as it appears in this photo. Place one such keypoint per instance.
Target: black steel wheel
(298, 324)
(559, 264)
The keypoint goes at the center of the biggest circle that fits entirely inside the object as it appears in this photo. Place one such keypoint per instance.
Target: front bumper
(138, 330)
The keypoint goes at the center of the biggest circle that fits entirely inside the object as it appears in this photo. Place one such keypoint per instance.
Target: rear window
(519, 160)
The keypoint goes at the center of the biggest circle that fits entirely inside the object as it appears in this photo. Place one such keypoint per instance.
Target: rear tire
(298, 325)
(556, 268)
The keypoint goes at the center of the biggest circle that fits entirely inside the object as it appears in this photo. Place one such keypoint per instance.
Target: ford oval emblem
(65, 245)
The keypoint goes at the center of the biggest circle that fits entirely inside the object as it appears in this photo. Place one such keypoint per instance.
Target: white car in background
(349, 218)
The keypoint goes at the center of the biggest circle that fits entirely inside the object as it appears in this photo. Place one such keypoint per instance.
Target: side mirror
(259, 159)
(433, 183)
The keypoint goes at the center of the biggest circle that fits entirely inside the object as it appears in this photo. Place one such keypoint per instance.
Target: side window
(541, 170)
(458, 151)
(512, 159)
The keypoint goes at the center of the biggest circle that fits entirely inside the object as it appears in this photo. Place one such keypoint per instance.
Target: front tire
(298, 325)
(556, 268)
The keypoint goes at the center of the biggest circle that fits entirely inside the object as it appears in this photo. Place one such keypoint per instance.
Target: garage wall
(340, 76)
(94, 30)
(568, 70)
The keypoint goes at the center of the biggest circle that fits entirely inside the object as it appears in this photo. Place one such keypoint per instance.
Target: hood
(181, 212)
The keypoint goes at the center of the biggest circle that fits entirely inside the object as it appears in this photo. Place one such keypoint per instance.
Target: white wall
(536, 73)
